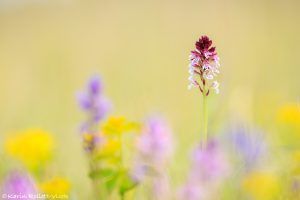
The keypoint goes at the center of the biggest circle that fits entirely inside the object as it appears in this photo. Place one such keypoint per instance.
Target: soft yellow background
(48, 49)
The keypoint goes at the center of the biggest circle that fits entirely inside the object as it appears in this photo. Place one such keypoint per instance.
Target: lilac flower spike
(19, 185)
(93, 102)
(204, 63)
(96, 106)
(95, 85)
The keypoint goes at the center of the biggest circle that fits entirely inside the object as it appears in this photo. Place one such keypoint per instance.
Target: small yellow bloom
(117, 126)
(89, 141)
(289, 114)
(33, 147)
(261, 186)
(88, 137)
(110, 147)
(56, 186)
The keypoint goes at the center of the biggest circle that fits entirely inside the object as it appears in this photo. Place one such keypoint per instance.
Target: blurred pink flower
(19, 186)
(155, 144)
(209, 164)
(191, 191)
(209, 167)
(155, 147)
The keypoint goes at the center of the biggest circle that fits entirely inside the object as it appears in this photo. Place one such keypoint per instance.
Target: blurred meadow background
(49, 49)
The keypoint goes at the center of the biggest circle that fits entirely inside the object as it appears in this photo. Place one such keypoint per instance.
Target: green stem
(205, 135)
(123, 196)
(94, 182)
(121, 138)
(98, 190)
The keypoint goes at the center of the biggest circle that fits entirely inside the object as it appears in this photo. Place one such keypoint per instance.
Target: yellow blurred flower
(110, 147)
(56, 186)
(90, 141)
(261, 186)
(33, 147)
(289, 114)
(117, 126)
(88, 137)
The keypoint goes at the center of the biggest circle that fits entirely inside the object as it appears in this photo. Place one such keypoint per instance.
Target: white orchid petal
(190, 86)
(191, 78)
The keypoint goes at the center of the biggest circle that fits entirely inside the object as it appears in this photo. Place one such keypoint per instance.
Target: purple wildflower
(19, 185)
(96, 106)
(154, 150)
(139, 171)
(93, 102)
(209, 167)
(191, 191)
(251, 147)
(204, 62)
(155, 143)
(209, 164)
(95, 85)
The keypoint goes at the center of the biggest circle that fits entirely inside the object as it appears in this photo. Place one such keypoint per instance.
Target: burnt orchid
(203, 68)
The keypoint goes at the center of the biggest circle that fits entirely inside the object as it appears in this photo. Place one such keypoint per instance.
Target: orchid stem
(205, 135)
